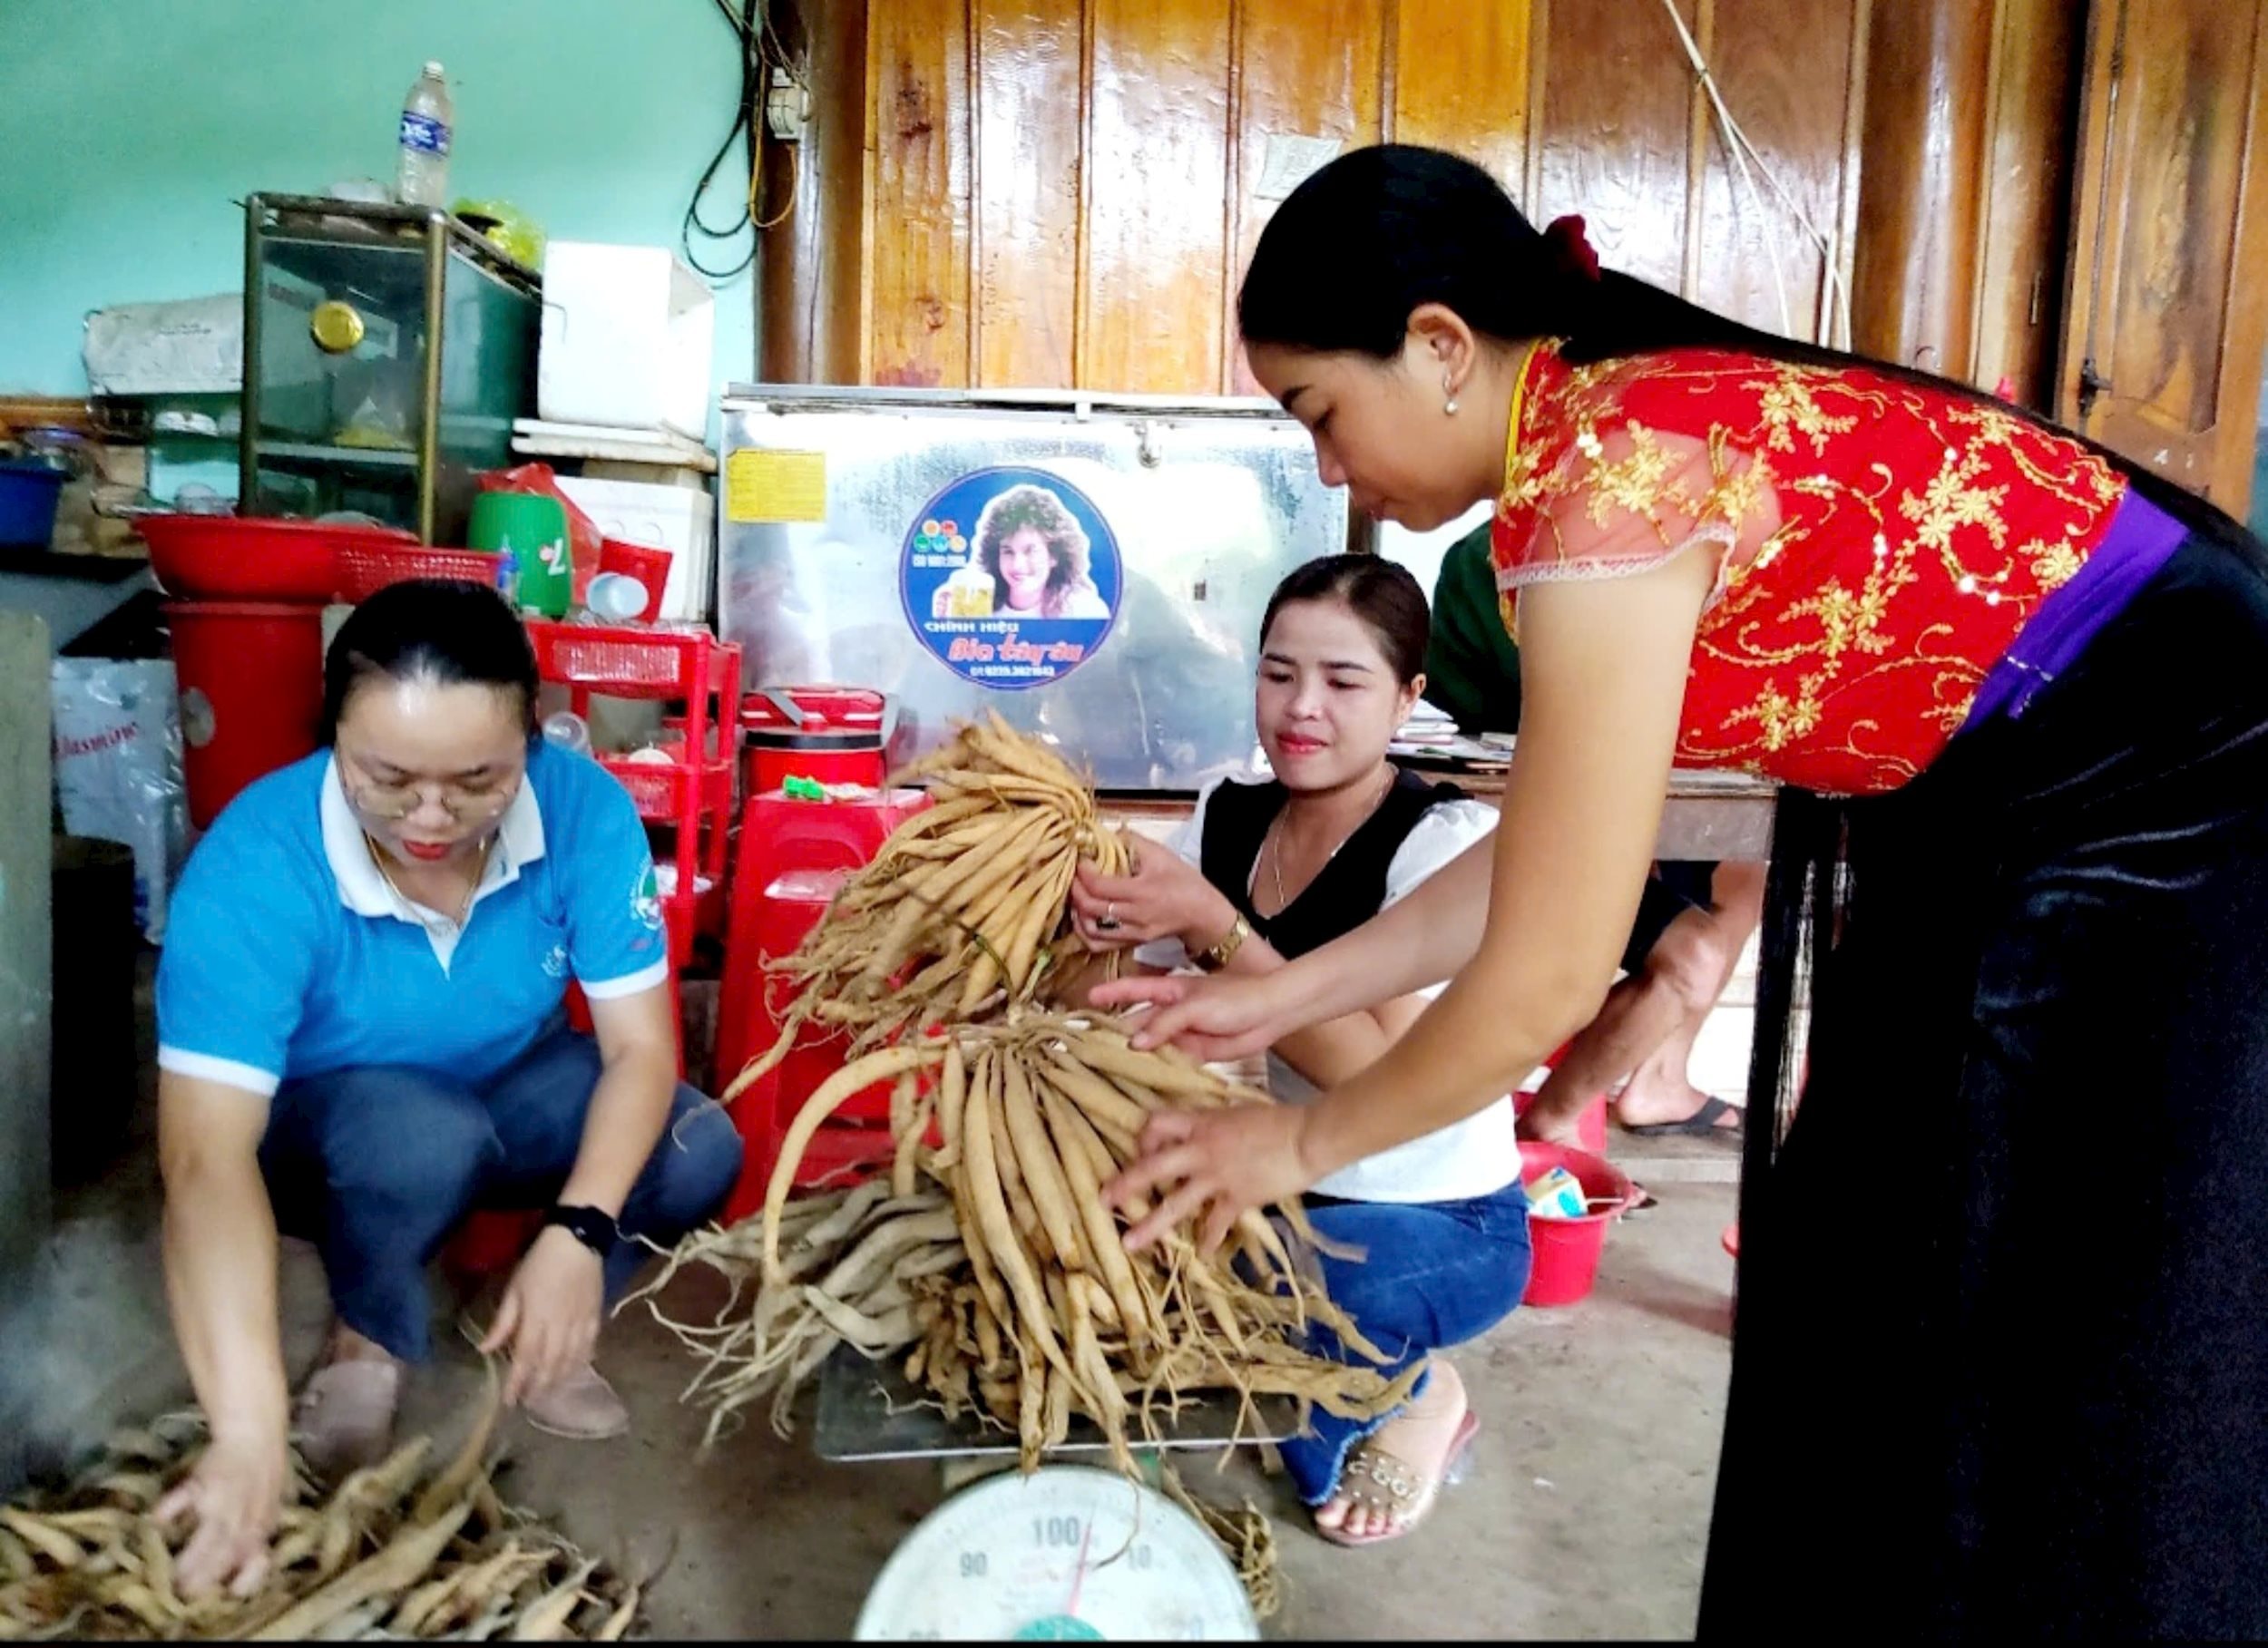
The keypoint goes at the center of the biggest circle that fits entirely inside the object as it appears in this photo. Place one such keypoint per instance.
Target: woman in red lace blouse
(1999, 1366)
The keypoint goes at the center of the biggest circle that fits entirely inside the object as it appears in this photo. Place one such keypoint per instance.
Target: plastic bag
(118, 769)
(582, 533)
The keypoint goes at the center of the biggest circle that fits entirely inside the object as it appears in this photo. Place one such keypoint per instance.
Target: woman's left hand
(1166, 897)
(1228, 1161)
(549, 1319)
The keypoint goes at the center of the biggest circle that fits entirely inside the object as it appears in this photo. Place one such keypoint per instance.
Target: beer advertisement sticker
(1010, 577)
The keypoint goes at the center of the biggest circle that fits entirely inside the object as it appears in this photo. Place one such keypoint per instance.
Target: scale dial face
(1068, 1554)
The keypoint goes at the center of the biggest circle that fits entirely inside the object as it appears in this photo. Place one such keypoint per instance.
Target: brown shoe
(580, 1406)
(344, 1418)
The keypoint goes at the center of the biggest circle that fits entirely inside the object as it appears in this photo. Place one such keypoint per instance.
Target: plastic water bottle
(422, 178)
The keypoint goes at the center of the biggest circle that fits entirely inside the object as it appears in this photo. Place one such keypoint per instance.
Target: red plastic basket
(366, 569)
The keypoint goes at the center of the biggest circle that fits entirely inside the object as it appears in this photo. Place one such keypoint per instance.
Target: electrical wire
(762, 56)
(1743, 152)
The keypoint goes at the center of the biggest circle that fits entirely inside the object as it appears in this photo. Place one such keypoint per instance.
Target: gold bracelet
(1217, 955)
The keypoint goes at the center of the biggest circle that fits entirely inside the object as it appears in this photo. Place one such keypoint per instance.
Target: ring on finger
(1109, 921)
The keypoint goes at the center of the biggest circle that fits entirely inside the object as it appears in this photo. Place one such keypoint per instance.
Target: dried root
(393, 1553)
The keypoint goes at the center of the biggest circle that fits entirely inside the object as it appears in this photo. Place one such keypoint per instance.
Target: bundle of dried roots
(396, 1552)
(966, 901)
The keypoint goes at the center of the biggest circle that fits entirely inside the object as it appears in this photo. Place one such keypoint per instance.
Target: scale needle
(1079, 1577)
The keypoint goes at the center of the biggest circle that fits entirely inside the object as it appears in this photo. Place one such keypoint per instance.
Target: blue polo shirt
(288, 954)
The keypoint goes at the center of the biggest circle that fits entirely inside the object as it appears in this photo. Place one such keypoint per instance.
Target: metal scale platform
(1070, 1553)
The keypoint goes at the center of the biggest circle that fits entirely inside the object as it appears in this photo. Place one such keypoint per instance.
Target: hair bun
(1570, 247)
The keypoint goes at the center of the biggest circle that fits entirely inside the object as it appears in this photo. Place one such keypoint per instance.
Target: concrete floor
(1584, 1517)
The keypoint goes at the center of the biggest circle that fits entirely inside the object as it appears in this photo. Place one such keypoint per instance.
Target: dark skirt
(2000, 1366)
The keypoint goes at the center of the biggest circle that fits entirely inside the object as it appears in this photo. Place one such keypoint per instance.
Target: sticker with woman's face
(1010, 577)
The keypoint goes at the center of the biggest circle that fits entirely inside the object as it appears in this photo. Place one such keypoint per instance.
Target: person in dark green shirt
(1471, 663)
(1693, 918)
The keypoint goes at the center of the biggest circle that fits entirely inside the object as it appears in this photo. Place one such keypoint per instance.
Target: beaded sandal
(1379, 1482)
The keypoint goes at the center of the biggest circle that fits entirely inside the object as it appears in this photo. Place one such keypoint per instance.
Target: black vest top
(1346, 892)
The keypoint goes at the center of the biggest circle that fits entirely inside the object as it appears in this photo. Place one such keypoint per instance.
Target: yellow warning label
(776, 486)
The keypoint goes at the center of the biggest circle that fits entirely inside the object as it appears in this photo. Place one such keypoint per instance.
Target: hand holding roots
(986, 1258)
(1001, 1278)
(396, 1552)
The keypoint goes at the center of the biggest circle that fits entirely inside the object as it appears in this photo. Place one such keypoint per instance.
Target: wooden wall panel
(1458, 80)
(1302, 68)
(917, 240)
(1612, 129)
(808, 273)
(1056, 193)
(1794, 109)
(2027, 198)
(1029, 60)
(2171, 229)
(1928, 69)
(1153, 263)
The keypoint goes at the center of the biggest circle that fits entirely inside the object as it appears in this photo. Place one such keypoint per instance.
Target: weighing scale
(1070, 1553)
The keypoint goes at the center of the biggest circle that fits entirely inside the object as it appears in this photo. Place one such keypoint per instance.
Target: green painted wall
(128, 128)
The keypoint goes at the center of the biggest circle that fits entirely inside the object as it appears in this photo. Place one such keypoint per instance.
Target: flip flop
(1380, 1481)
(1701, 1124)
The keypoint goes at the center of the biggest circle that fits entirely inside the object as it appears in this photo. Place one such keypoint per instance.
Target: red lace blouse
(1879, 544)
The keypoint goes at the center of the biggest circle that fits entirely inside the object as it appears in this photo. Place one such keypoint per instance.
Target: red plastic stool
(491, 1238)
(792, 858)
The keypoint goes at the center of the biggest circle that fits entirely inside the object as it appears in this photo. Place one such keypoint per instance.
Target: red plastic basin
(228, 558)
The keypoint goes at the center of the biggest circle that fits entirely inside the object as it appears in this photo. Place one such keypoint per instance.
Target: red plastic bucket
(829, 734)
(251, 677)
(1567, 1251)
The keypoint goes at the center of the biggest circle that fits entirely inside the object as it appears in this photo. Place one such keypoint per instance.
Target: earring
(1449, 397)
(1450, 406)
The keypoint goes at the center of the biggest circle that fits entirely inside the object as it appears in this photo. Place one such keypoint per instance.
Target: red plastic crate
(364, 568)
(693, 796)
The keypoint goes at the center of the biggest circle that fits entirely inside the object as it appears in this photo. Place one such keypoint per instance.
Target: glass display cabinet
(388, 350)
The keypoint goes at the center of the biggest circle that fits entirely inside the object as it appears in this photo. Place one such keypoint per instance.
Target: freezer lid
(1079, 402)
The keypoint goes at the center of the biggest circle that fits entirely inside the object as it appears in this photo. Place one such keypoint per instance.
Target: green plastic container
(531, 529)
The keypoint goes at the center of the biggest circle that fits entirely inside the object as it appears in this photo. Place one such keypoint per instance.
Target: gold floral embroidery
(2053, 565)
(1782, 719)
(1633, 483)
(1950, 502)
(1861, 558)
(1788, 405)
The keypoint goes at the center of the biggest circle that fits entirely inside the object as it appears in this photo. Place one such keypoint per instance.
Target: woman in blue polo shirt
(362, 1038)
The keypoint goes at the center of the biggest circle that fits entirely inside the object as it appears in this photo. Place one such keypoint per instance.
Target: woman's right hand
(1215, 1018)
(235, 1495)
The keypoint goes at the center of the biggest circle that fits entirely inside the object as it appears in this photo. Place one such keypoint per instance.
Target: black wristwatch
(595, 1230)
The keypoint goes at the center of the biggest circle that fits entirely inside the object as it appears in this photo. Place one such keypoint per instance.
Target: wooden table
(1709, 816)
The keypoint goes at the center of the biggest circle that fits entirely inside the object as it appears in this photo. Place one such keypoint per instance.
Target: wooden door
(2169, 271)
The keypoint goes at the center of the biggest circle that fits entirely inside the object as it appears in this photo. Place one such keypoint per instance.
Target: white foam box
(680, 519)
(626, 339)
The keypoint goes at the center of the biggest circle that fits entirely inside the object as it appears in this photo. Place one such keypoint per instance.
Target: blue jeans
(378, 1164)
(1434, 1274)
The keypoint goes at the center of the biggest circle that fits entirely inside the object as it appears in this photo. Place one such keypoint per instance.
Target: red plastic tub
(1567, 1251)
(251, 677)
(230, 558)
